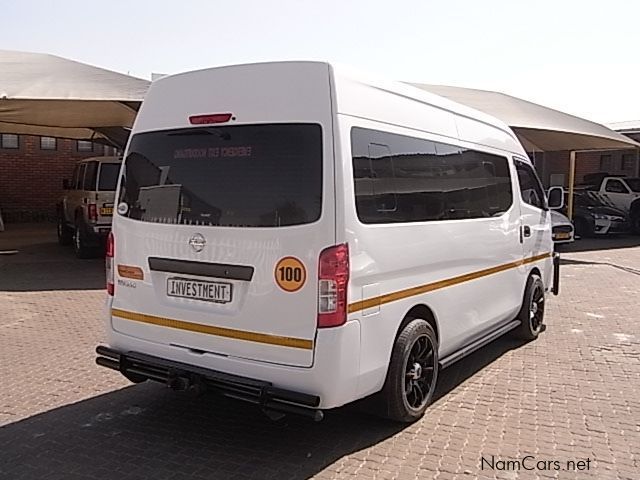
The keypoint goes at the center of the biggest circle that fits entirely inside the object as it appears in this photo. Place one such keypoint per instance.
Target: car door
(618, 193)
(535, 227)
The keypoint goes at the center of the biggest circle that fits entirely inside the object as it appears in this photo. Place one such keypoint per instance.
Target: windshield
(634, 184)
(108, 176)
(242, 176)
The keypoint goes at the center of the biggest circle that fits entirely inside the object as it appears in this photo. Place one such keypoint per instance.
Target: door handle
(526, 231)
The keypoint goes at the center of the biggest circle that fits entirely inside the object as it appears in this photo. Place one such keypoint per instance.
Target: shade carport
(51, 96)
(539, 128)
(47, 95)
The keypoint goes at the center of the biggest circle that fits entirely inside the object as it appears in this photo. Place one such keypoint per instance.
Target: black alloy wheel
(531, 313)
(419, 373)
(536, 308)
(412, 374)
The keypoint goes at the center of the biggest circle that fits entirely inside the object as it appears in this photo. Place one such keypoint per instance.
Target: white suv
(86, 209)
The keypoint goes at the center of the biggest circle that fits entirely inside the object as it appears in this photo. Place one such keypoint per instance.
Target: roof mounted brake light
(211, 118)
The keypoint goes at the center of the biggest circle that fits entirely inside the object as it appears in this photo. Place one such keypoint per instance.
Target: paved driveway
(565, 406)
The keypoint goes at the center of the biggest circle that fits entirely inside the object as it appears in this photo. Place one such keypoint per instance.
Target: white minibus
(293, 235)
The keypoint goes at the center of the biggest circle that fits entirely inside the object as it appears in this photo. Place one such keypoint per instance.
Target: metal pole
(572, 179)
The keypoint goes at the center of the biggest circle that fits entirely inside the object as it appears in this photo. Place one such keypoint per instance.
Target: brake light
(210, 118)
(111, 250)
(92, 212)
(333, 278)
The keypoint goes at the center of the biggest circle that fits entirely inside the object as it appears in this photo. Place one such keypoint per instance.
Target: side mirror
(556, 198)
(65, 184)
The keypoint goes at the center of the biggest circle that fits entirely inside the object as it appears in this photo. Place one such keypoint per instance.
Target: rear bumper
(183, 376)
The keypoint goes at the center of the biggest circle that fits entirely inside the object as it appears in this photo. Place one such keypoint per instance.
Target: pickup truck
(621, 192)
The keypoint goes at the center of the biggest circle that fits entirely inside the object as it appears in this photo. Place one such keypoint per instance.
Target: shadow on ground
(146, 431)
(40, 264)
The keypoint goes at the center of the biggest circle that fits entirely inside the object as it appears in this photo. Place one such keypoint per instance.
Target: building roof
(539, 128)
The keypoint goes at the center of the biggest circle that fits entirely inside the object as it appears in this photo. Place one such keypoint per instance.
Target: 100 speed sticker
(290, 274)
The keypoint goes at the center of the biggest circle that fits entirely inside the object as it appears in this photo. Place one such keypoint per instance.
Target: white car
(562, 230)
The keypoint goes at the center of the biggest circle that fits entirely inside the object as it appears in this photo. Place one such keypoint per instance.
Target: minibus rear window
(235, 176)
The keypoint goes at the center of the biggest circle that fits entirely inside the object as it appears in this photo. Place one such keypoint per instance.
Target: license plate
(563, 236)
(106, 211)
(217, 292)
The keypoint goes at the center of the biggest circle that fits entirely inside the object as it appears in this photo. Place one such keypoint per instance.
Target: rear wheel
(413, 372)
(65, 234)
(531, 313)
(80, 246)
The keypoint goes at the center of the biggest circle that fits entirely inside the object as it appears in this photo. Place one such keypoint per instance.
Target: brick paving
(572, 395)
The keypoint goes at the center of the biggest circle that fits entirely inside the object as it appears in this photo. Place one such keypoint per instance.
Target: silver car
(86, 208)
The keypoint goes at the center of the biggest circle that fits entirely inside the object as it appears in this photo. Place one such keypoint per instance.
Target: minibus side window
(530, 186)
(405, 179)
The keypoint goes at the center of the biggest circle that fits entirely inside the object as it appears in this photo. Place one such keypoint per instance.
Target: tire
(65, 234)
(80, 243)
(531, 313)
(413, 373)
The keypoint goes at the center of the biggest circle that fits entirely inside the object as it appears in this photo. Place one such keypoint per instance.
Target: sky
(580, 57)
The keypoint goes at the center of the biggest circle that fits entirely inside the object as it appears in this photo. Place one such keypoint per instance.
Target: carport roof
(539, 128)
(48, 95)
(629, 126)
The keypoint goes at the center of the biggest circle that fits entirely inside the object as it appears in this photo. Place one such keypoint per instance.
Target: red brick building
(31, 173)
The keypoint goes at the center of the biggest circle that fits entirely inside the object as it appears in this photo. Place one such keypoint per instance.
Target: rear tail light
(92, 212)
(109, 263)
(333, 278)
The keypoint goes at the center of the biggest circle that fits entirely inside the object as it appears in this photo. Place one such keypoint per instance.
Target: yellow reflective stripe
(429, 287)
(217, 331)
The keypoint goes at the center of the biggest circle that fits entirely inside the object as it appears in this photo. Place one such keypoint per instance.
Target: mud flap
(556, 274)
